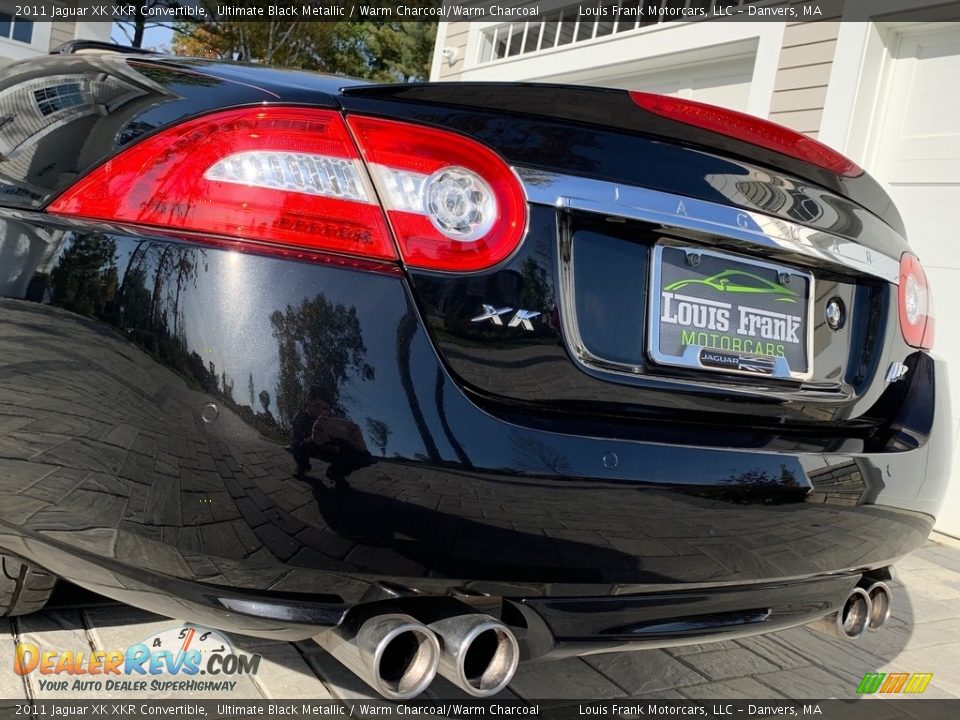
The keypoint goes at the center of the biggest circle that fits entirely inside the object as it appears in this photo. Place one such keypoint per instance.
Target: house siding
(62, 32)
(800, 90)
(458, 35)
(803, 73)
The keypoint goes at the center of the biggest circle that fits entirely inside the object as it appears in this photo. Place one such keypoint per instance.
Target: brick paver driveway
(922, 636)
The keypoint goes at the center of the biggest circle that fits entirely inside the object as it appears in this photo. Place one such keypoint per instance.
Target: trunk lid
(618, 198)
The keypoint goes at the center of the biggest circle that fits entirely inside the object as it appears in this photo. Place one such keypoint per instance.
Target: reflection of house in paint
(34, 108)
(802, 204)
(787, 199)
(57, 110)
(24, 251)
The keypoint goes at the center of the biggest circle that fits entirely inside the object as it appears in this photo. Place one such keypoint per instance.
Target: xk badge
(521, 318)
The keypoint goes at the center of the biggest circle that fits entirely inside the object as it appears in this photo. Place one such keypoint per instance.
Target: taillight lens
(290, 176)
(295, 177)
(453, 204)
(748, 128)
(916, 304)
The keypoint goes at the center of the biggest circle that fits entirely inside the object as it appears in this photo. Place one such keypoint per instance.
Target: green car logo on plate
(738, 281)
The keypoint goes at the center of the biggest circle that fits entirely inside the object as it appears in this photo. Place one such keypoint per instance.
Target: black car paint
(144, 460)
(586, 109)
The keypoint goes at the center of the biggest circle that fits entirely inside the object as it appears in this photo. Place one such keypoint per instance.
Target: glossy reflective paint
(113, 100)
(572, 127)
(261, 442)
(606, 300)
(176, 412)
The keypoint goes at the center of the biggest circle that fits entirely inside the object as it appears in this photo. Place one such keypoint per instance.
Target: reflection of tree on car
(319, 346)
(738, 281)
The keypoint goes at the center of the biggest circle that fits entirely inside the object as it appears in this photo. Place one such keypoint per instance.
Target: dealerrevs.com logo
(187, 659)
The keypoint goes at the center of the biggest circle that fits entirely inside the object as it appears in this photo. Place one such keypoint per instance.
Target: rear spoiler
(72, 47)
(615, 110)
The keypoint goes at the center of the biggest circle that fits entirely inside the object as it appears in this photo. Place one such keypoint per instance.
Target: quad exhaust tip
(403, 654)
(867, 607)
(853, 618)
(880, 604)
(392, 653)
(479, 654)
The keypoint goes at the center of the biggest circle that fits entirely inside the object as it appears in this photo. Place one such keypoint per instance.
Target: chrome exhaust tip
(881, 602)
(402, 653)
(394, 654)
(852, 620)
(479, 653)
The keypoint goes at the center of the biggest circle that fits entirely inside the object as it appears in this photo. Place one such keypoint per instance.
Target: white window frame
(661, 45)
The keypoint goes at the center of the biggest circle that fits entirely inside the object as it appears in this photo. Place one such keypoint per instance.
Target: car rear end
(614, 370)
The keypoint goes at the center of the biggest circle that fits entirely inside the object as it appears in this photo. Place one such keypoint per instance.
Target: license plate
(725, 313)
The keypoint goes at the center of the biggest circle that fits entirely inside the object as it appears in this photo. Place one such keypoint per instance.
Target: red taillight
(294, 177)
(453, 203)
(289, 176)
(916, 304)
(749, 129)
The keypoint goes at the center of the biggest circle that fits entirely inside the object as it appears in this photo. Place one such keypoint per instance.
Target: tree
(226, 387)
(272, 42)
(85, 279)
(396, 52)
(380, 433)
(136, 21)
(320, 346)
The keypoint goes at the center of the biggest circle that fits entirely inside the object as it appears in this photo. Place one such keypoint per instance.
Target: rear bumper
(151, 454)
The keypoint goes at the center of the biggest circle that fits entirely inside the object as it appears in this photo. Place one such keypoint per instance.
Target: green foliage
(386, 52)
(398, 52)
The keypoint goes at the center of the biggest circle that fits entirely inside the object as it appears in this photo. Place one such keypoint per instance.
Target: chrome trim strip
(654, 206)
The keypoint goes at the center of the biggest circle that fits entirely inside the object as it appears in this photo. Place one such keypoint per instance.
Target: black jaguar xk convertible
(450, 376)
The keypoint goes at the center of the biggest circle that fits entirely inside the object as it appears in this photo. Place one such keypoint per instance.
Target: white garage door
(723, 82)
(917, 154)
